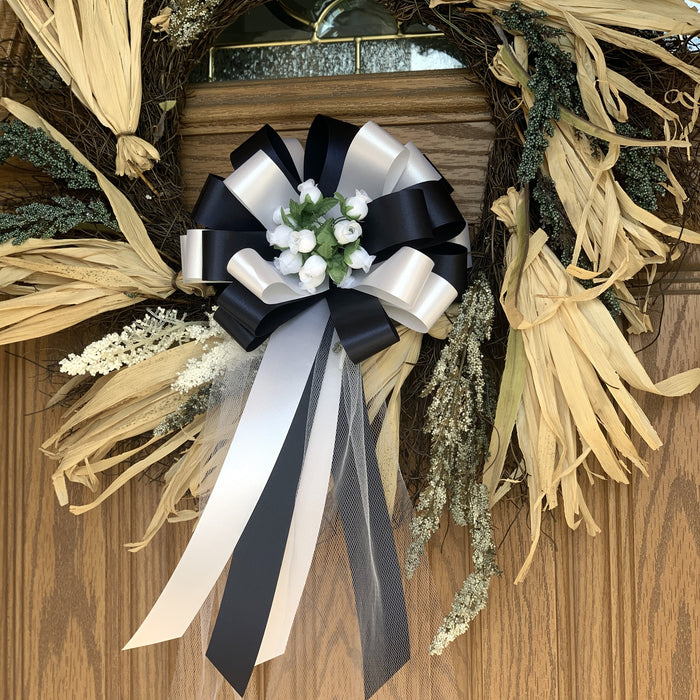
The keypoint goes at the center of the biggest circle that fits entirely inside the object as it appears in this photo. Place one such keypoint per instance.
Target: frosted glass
(296, 61)
(387, 56)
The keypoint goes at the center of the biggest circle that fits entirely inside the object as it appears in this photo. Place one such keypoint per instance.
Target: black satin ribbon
(423, 216)
(380, 603)
(428, 218)
(257, 559)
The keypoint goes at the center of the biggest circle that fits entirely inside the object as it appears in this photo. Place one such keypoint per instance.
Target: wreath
(591, 186)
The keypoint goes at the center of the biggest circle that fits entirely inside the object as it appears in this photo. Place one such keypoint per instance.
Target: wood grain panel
(666, 524)
(445, 115)
(617, 616)
(71, 592)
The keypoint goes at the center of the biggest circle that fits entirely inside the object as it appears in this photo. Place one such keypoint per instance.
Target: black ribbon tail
(385, 653)
(256, 562)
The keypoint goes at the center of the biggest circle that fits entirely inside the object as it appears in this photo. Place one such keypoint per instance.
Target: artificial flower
(360, 259)
(312, 273)
(347, 231)
(288, 263)
(308, 189)
(303, 241)
(279, 236)
(356, 207)
(277, 214)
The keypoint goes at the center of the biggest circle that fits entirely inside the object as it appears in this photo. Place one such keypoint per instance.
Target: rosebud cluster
(319, 236)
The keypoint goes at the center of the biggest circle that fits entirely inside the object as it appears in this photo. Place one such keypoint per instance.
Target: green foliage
(35, 147)
(458, 421)
(48, 219)
(553, 83)
(636, 170)
(553, 218)
(562, 237)
(326, 245)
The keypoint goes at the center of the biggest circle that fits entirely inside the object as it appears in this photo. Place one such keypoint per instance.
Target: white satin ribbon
(264, 280)
(261, 432)
(308, 512)
(191, 255)
(374, 162)
(261, 187)
(409, 292)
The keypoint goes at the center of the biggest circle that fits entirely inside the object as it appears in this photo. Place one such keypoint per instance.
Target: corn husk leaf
(509, 399)
(578, 363)
(383, 376)
(96, 49)
(59, 283)
(118, 407)
(617, 236)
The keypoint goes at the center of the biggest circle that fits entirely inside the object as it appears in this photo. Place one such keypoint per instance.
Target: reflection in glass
(351, 18)
(427, 53)
(292, 61)
(304, 38)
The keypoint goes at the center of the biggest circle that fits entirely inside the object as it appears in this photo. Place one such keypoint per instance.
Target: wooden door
(617, 616)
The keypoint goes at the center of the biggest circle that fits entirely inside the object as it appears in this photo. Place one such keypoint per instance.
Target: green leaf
(349, 249)
(323, 206)
(337, 268)
(288, 219)
(326, 245)
(295, 210)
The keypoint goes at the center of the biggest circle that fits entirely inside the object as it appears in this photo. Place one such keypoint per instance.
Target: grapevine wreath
(510, 339)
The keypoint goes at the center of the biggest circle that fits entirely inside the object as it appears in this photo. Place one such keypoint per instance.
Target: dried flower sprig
(472, 597)
(159, 330)
(185, 413)
(35, 147)
(457, 424)
(48, 219)
(189, 19)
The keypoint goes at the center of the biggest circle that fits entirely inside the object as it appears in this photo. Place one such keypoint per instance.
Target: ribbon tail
(379, 599)
(244, 474)
(256, 562)
(308, 513)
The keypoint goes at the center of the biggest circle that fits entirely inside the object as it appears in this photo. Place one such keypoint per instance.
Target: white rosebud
(348, 282)
(308, 189)
(288, 263)
(303, 241)
(356, 207)
(312, 273)
(360, 260)
(277, 214)
(347, 231)
(279, 236)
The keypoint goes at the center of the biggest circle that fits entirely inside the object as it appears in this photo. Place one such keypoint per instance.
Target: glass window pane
(295, 61)
(351, 18)
(389, 56)
(265, 23)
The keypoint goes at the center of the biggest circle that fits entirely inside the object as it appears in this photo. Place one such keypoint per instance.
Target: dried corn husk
(96, 49)
(578, 363)
(598, 20)
(383, 376)
(58, 283)
(618, 237)
(120, 406)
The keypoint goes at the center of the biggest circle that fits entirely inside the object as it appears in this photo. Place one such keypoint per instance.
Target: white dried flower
(159, 330)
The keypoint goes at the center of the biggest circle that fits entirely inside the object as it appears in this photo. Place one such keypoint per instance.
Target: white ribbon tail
(246, 469)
